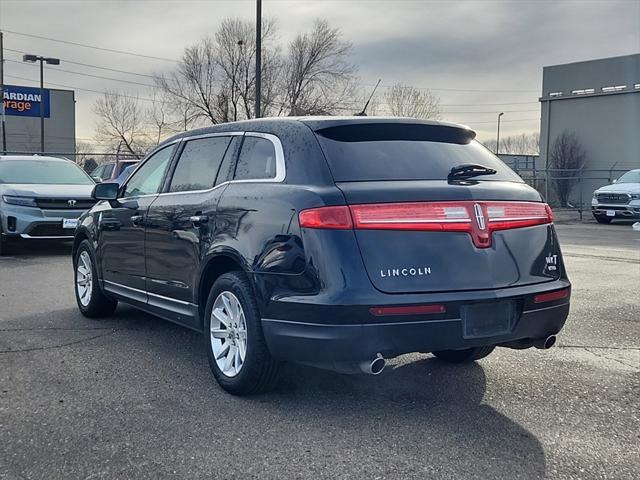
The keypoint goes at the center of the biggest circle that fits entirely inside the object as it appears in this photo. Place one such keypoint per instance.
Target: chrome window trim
(281, 168)
(281, 172)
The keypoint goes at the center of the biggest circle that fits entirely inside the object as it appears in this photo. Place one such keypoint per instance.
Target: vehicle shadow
(418, 408)
(420, 418)
(33, 248)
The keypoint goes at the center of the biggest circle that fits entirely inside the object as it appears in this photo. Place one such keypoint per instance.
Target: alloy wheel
(228, 334)
(84, 278)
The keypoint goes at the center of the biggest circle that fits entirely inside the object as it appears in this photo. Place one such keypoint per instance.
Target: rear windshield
(404, 152)
(49, 172)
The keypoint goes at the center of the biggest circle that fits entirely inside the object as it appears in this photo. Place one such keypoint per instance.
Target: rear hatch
(420, 231)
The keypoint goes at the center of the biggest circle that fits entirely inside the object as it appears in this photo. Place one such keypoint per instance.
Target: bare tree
(161, 117)
(523, 144)
(319, 75)
(83, 156)
(216, 79)
(566, 161)
(195, 82)
(236, 53)
(121, 122)
(407, 101)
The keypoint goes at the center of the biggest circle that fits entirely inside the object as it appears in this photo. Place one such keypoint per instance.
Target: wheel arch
(216, 265)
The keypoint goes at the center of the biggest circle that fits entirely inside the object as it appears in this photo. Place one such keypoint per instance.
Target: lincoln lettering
(405, 272)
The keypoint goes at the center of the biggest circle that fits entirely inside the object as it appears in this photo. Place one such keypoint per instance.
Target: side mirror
(105, 191)
(615, 180)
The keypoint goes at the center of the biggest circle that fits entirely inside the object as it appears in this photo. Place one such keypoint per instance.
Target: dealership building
(22, 119)
(599, 102)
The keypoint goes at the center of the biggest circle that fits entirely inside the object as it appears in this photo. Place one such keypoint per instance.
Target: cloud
(465, 45)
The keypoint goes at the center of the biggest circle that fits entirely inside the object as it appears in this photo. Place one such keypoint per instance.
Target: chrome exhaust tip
(375, 366)
(545, 343)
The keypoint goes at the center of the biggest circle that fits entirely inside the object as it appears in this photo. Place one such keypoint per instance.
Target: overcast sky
(480, 57)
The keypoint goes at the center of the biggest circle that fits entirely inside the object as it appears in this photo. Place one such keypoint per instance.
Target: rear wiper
(469, 170)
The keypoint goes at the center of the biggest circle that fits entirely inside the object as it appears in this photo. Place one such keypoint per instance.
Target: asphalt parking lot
(132, 396)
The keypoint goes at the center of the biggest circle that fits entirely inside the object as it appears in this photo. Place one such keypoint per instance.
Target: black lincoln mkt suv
(334, 242)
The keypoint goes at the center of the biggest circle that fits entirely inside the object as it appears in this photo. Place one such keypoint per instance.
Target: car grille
(620, 198)
(65, 203)
(51, 230)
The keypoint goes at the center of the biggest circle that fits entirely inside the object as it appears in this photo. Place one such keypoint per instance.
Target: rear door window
(404, 152)
(257, 159)
(199, 164)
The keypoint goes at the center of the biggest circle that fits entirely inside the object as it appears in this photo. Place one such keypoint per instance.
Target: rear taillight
(333, 218)
(478, 219)
(552, 296)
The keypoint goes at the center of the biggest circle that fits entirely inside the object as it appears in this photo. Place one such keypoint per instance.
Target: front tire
(464, 356)
(92, 301)
(4, 244)
(236, 349)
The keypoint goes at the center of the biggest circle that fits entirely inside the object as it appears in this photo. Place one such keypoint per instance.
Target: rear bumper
(326, 344)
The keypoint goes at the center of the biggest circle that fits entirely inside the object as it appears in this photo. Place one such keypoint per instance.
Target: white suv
(620, 200)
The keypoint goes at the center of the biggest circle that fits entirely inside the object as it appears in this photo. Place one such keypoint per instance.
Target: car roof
(313, 122)
(33, 157)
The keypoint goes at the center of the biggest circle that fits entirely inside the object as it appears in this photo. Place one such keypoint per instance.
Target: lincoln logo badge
(71, 203)
(479, 216)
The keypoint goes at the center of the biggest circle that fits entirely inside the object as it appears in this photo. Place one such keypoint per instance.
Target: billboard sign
(25, 101)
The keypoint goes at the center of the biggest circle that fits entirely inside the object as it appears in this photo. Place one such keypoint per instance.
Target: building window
(555, 94)
(616, 88)
(583, 91)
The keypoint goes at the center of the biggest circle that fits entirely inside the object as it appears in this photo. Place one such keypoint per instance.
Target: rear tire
(464, 356)
(233, 329)
(603, 219)
(92, 301)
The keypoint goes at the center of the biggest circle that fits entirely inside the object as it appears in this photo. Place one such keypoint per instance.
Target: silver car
(41, 198)
(620, 200)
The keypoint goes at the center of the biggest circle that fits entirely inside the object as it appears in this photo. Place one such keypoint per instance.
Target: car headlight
(635, 196)
(24, 201)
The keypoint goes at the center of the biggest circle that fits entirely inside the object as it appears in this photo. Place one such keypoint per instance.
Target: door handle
(137, 219)
(198, 220)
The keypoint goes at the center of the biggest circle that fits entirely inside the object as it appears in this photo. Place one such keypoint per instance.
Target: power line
(111, 50)
(65, 60)
(87, 74)
(101, 92)
(461, 89)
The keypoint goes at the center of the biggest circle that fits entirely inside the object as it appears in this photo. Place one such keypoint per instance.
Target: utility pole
(498, 134)
(3, 125)
(258, 57)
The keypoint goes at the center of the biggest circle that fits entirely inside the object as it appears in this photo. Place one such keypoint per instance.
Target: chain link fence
(568, 189)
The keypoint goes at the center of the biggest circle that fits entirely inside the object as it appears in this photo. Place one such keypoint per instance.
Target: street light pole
(51, 61)
(41, 105)
(3, 125)
(258, 57)
(498, 134)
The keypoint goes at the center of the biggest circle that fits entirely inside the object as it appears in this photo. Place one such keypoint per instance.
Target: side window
(108, 170)
(198, 164)
(257, 159)
(148, 178)
(97, 173)
(226, 169)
